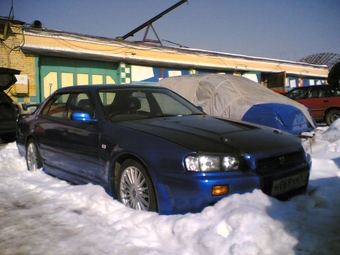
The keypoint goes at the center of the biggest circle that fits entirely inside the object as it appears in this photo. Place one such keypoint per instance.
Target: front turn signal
(220, 190)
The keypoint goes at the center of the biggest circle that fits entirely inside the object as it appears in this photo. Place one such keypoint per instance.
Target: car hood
(7, 77)
(204, 133)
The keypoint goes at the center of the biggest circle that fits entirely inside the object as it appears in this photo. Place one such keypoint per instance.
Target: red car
(323, 101)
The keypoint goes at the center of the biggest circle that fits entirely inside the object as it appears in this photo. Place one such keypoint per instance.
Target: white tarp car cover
(226, 95)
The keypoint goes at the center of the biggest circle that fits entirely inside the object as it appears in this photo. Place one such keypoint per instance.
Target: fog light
(220, 190)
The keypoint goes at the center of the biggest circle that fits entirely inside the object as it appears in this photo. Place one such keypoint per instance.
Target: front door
(69, 147)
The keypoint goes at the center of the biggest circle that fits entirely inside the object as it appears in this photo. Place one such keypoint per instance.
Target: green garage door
(61, 72)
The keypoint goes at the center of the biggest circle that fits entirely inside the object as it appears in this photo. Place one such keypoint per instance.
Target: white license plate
(292, 182)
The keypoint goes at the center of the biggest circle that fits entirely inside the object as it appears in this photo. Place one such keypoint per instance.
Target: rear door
(318, 99)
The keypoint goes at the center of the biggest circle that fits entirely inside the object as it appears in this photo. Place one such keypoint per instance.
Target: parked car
(8, 110)
(153, 150)
(242, 99)
(322, 100)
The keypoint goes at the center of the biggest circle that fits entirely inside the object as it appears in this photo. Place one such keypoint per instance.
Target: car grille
(278, 163)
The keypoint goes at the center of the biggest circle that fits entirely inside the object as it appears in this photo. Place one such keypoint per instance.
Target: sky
(279, 29)
(43, 215)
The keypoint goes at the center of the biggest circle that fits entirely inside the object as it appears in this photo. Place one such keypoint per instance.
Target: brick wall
(11, 56)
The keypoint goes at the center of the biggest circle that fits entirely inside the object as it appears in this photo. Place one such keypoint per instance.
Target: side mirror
(83, 117)
(200, 108)
(26, 106)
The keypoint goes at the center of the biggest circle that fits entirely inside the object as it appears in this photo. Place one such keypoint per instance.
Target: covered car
(242, 99)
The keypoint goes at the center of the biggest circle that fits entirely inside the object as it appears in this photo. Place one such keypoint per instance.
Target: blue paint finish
(284, 117)
(83, 151)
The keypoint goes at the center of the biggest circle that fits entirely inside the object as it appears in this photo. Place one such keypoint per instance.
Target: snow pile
(40, 214)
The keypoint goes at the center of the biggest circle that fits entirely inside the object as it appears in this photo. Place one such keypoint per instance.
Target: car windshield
(135, 103)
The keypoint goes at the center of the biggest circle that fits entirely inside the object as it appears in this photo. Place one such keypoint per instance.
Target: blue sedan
(153, 150)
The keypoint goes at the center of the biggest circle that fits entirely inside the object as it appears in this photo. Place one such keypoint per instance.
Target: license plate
(286, 184)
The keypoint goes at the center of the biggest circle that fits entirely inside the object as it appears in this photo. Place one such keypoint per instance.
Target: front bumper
(192, 192)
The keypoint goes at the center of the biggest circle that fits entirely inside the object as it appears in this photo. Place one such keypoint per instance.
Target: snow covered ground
(43, 215)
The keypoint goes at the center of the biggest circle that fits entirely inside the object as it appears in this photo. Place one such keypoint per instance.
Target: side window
(62, 105)
(324, 92)
(299, 93)
(80, 102)
(317, 92)
(56, 107)
(337, 91)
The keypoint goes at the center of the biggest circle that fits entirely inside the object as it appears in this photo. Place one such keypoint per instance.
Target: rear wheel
(33, 158)
(332, 116)
(135, 189)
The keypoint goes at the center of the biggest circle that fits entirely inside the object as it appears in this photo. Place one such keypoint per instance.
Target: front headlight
(204, 163)
(230, 163)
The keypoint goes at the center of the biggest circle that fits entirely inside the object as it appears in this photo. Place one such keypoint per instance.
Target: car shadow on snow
(313, 219)
(2, 145)
(337, 161)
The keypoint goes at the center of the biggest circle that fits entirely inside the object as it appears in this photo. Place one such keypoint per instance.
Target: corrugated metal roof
(101, 48)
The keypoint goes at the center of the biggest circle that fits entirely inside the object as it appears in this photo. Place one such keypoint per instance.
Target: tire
(332, 116)
(33, 157)
(135, 189)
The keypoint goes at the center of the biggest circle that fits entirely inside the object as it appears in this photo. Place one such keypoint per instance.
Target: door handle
(325, 101)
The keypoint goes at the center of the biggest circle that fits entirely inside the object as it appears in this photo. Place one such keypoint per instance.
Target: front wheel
(332, 116)
(135, 189)
(33, 158)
